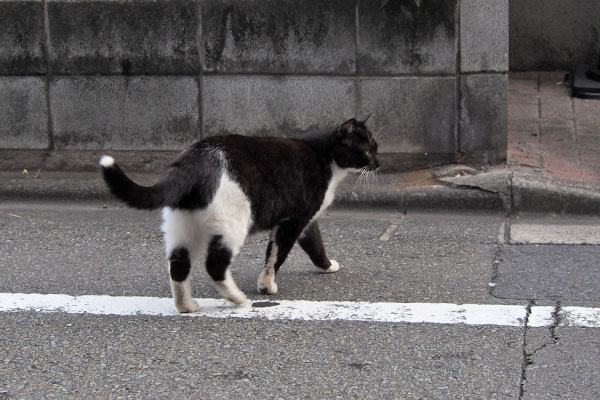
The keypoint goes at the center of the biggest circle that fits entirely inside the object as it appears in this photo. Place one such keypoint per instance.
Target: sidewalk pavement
(552, 167)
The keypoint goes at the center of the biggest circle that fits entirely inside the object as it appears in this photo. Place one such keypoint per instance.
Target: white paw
(187, 306)
(334, 267)
(238, 298)
(267, 287)
(266, 284)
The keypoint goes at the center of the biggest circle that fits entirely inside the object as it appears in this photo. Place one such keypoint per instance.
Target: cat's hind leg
(178, 234)
(179, 269)
(312, 243)
(218, 257)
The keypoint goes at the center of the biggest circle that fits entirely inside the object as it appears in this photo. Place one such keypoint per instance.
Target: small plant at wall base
(37, 175)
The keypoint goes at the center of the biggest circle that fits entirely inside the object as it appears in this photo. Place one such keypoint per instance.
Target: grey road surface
(104, 249)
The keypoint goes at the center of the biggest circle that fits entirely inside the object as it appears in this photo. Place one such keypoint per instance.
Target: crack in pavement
(528, 356)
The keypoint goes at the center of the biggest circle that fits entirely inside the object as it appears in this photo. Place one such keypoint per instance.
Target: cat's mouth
(373, 165)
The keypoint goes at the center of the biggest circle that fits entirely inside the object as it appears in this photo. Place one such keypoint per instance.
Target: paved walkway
(549, 131)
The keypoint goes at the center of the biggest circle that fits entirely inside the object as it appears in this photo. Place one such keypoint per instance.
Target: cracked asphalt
(104, 249)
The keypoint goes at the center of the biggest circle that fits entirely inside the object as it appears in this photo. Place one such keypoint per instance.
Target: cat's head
(354, 146)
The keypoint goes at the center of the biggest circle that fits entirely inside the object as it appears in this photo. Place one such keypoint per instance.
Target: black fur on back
(284, 178)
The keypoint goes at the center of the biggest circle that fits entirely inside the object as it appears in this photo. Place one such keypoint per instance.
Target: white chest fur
(337, 175)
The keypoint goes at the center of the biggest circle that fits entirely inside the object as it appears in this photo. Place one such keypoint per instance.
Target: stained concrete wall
(81, 75)
(548, 35)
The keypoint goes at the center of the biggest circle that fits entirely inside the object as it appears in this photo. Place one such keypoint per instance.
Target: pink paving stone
(522, 113)
(565, 142)
(567, 175)
(564, 152)
(562, 167)
(587, 110)
(523, 75)
(552, 76)
(525, 151)
(588, 128)
(523, 127)
(526, 88)
(589, 146)
(591, 174)
(555, 100)
(560, 126)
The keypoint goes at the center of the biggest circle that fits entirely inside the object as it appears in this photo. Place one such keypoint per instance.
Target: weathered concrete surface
(271, 106)
(150, 113)
(23, 113)
(416, 115)
(142, 161)
(553, 34)
(571, 230)
(147, 75)
(484, 35)
(130, 37)
(22, 38)
(279, 36)
(407, 38)
(484, 118)
(548, 272)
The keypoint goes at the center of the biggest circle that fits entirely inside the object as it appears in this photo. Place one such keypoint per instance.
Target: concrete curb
(500, 191)
(542, 194)
(436, 197)
(522, 192)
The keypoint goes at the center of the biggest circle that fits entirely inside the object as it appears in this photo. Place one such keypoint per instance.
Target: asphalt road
(98, 249)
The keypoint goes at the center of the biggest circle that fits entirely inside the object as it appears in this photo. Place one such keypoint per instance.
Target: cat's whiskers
(379, 134)
(367, 179)
(360, 179)
(370, 181)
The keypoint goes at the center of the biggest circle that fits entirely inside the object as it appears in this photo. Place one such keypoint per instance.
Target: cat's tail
(126, 190)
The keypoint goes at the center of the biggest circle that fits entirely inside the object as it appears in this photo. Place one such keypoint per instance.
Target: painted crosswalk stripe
(432, 313)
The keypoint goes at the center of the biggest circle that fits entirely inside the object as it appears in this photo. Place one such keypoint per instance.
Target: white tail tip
(107, 161)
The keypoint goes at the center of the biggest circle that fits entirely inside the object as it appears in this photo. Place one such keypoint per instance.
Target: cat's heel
(334, 267)
(187, 306)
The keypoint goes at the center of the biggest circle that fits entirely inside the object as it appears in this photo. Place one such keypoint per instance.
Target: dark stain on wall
(553, 34)
(277, 36)
(22, 47)
(124, 37)
(408, 37)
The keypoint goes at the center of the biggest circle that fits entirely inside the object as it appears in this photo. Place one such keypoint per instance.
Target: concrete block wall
(548, 35)
(89, 76)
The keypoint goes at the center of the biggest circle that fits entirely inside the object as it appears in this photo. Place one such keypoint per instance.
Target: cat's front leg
(266, 280)
(281, 241)
(312, 243)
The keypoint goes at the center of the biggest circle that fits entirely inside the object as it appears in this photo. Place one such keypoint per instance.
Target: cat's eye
(368, 153)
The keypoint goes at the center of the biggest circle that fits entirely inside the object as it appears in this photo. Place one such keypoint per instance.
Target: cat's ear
(364, 119)
(347, 128)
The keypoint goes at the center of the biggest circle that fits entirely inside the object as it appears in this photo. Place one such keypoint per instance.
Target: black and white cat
(223, 188)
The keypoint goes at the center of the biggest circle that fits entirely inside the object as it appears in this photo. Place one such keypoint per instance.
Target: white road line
(541, 316)
(387, 235)
(432, 313)
(580, 316)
